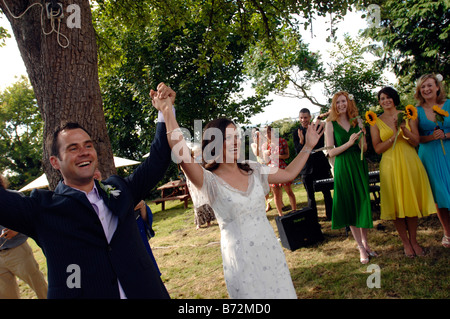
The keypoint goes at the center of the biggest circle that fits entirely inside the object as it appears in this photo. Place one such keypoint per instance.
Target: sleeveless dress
(254, 263)
(351, 198)
(281, 149)
(404, 187)
(436, 163)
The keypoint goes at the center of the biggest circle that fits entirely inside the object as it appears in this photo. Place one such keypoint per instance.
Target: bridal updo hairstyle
(221, 124)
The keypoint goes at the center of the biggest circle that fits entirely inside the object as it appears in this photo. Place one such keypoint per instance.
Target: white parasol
(42, 181)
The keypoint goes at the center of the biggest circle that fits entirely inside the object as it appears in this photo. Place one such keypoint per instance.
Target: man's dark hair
(304, 110)
(54, 145)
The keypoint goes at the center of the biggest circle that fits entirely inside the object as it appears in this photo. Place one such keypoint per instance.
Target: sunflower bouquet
(440, 114)
(410, 113)
(360, 139)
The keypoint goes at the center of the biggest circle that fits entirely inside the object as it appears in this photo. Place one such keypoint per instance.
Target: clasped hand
(438, 134)
(163, 98)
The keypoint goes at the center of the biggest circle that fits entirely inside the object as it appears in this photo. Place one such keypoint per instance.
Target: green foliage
(415, 38)
(161, 54)
(201, 49)
(21, 134)
(351, 71)
(285, 129)
(286, 61)
(3, 35)
(251, 21)
(268, 27)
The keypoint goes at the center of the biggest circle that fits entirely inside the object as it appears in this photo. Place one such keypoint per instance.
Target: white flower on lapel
(115, 192)
(110, 190)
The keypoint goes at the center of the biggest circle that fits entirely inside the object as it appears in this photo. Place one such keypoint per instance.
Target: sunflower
(439, 111)
(371, 117)
(411, 112)
(440, 114)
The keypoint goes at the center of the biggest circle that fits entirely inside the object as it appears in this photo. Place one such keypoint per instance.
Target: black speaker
(299, 228)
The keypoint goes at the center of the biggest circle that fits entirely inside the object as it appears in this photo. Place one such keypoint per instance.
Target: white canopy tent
(42, 181)
(39, 182)
(119, 162)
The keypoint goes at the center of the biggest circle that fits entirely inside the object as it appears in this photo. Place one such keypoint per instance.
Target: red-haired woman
(351, 198)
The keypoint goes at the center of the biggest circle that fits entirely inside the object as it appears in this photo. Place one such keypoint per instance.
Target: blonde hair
(441, 95)
(352, 110)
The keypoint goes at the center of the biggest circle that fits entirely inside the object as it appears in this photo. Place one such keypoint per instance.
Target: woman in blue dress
(434, 149)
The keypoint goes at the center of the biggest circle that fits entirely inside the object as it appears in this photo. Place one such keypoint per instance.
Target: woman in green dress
(344, 135)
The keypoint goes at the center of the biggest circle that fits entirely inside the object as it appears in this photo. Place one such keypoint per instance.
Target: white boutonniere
(110, 190)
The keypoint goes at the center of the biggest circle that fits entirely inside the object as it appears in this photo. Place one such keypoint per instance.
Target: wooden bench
(183, 198)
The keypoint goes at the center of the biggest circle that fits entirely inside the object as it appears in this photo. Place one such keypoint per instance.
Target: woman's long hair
(221, 124)
(352, 110)
(441, 95)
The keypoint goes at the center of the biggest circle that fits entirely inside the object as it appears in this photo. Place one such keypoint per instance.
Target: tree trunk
(65, 80)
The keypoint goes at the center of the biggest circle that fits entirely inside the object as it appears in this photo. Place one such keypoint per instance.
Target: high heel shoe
(372, 253)
(369, 251)
(361, 259)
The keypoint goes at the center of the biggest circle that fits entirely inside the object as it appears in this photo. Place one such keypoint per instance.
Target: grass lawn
(191, 262)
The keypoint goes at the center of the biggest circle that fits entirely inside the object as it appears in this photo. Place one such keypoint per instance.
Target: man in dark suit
(87, 229)
(317, 167)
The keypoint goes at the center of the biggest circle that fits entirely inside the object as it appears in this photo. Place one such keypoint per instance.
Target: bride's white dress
(254, 264)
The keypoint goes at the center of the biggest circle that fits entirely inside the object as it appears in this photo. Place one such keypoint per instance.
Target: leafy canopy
(415, 37)
(21, 134)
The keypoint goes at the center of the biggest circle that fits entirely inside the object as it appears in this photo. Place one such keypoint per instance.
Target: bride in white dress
(254, 264)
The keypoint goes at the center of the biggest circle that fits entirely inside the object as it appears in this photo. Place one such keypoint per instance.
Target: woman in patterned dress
(276, 151)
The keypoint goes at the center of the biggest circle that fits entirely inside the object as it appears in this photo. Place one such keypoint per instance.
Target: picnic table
(173, 190)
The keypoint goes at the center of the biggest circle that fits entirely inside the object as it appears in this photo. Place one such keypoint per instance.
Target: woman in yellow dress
(405, 189)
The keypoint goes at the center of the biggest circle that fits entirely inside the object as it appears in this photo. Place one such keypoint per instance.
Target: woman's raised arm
(162, 100)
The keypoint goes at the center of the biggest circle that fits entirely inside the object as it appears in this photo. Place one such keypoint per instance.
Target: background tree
(271, 28)
(3, 35)
(415, 37)
(285, 129)
(170, 57)
(21, 134)
(353, 69)
(293, 65)
(62, 64)
(62, 68)
(250, 20)
(200, 51)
